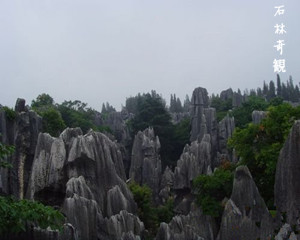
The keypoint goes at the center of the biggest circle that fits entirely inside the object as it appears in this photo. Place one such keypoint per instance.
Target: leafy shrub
(15, 215)
(212, 189)
(151, 216)
(10, 113)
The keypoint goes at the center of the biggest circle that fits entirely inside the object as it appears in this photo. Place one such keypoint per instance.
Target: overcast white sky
(97, 51)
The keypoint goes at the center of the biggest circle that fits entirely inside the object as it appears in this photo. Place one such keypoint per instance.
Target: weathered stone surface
(287, 178)
(20, 105)
(257, 116)
(246, 215)
(115, 121)
(194, 226)
(22, 132)
(225, 130)
(122, 226)
(199, 101)
(145, 161)
(167, 181)
(237, 99)
(226, 94)
(195, 160)
(286, 233)
(84, 175)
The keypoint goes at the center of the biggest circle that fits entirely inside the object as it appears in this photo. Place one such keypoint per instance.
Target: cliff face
(287, 178)
(245, 215)
(84, 175)
(145, 160)
(20, 130)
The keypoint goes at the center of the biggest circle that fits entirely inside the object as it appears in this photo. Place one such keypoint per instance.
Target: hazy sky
(97, 51)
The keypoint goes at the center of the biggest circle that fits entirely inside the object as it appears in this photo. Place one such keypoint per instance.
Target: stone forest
(222, 166)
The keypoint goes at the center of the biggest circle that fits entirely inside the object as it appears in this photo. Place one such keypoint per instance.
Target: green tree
(52, 119)
(212, 189)
(243, 114)
(259, 145)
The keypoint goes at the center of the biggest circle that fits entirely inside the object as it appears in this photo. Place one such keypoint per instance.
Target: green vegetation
(221, 106)
(210, 190)
(258, 146)
(151, 216)
(10, 113)
(243, 115)
(17, 214)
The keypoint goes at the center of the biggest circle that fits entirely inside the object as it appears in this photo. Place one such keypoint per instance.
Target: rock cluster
(194, 226)
(84, 175)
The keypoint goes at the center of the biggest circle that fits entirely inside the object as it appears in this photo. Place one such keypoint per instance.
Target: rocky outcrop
(167, 181)
(116, 123)
(122, 226)
(145, 160)
(245, 215)
(194, 226)
(84, 175)
(287, 178)
(20, 129)
(195, 160)
(258, 116)
(225, 130)
(286, 233)
(199, 101)
(226, 94)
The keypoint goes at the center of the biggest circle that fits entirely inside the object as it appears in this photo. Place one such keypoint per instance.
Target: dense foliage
(212, 189)
(17, 214)
(243, 115)
(151, 216)
(259, 145)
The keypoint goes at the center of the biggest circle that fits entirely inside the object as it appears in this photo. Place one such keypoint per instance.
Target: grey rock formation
(237, 100)
(195, 160)
(226, 94)
(22, 132)
(145, 161)
(167, 181)
(122, 226)
(199, 101)
(194, 226)
(257, 116)
(287, 178)
(84, 175)
(286, 233)
(225, 130)
(117, 124)
(246, 215)
(20, 105)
